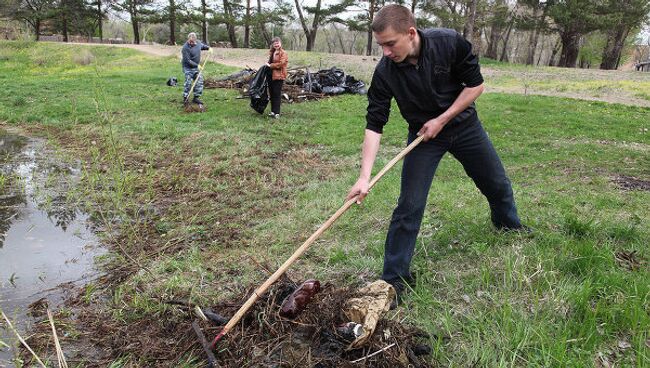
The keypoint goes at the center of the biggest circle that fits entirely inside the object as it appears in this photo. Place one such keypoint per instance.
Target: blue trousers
(189, 78)
(469, 144)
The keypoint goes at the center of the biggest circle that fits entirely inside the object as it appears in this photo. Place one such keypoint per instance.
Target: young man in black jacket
(435, 79)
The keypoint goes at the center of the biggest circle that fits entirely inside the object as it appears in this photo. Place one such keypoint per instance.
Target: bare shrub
(84, 57)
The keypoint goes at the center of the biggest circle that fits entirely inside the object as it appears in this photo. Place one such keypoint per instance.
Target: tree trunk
(570, 49)
(310, 33)
(371, 16)
(247, 25)
(133, 11)
(556, 48)
(230, 26)
(612, 51)
(414, 4)
(64, 16)
(340, 39)
(477, 47)
(262, 27)
(354, 41)
(311, 37)
(303, 24)
(507, 39)
(204, 22)
(37, 29)
(493, 42)
(530, 59)
(136, 33)
(311, 40)
(468, 31)
(100, 19)
(172, 22)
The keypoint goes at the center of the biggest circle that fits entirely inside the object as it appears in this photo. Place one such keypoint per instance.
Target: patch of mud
(629, 183)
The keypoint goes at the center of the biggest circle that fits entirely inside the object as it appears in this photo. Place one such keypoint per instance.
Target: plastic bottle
(350, 331)
(298, 300)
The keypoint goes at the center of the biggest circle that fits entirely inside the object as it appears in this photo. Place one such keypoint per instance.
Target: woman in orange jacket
(278, 61)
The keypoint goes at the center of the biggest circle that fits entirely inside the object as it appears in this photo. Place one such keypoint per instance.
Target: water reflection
(44, 242)
(11, 199)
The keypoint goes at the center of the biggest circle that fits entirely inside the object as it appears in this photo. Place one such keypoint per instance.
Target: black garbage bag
(258, 90)
(312, 86)
(311, 83)
(353, 85)
(333, 90)
(333, 77)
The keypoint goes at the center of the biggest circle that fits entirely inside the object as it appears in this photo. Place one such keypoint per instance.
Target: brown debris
(292, 89)
(262, 339)
(631, 261)
(631, 183)
(265, 339)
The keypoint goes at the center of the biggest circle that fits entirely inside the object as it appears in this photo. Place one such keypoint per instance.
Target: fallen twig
(373, 354)
(22, 341)
(59, 352)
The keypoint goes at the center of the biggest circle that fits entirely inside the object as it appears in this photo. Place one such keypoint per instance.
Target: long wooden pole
(197, 78)
(277, 274)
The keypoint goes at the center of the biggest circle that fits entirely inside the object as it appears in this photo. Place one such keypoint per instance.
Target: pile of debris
(333, 329)
(339, 327)
(299, 86)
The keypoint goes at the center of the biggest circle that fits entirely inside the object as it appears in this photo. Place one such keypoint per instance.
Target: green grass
(233, 188)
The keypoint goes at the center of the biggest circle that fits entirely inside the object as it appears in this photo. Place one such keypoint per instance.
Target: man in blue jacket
(192, 67)
(435, 79)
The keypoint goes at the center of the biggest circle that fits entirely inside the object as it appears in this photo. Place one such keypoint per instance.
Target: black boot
(197, 100)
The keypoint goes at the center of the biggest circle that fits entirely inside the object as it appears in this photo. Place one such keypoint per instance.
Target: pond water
(46, 245)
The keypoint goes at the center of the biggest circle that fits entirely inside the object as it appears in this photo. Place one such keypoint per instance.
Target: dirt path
(623, 87)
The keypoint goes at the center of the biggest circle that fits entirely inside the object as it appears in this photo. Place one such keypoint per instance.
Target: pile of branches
(300, 85)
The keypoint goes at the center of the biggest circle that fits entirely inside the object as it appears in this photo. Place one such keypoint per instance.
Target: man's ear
(412, 32)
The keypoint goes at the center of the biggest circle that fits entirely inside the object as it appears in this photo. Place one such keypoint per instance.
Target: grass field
(198, 200)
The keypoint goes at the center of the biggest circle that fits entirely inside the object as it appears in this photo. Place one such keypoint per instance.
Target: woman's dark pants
(275, 90)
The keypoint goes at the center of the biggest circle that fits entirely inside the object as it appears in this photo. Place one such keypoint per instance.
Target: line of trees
(560, 32)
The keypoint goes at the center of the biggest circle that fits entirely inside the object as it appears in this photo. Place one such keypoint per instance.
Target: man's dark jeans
(470, 145)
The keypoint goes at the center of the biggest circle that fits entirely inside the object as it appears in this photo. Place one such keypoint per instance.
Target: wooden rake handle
(197, 77)
(277, 274)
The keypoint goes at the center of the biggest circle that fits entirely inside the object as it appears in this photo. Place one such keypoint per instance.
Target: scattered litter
(320, 336)
(172, 82)
(372, 302)
(297, 301)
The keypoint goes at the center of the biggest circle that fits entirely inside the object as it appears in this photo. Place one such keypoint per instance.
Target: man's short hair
(397, 17)
(191, 36)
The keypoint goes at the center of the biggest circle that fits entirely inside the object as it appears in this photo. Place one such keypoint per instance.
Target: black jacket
(424, 91)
